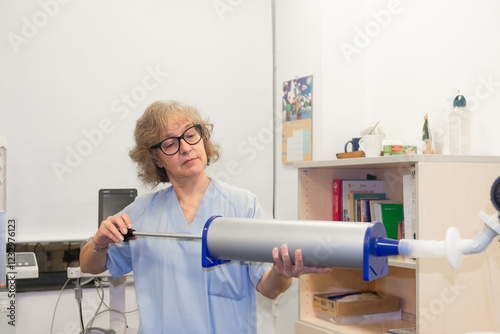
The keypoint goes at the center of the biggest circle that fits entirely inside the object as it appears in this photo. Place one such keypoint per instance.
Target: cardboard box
(355, 303)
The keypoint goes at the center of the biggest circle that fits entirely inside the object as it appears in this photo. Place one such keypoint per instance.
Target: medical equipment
(330, 244)
(22, 266)
(323, 243)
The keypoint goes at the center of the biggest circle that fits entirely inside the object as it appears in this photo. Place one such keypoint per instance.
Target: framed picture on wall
(297, 120)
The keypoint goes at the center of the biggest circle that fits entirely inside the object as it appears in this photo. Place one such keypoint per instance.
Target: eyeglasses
(171, 145)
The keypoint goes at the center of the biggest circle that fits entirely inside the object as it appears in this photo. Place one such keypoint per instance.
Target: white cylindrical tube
(421, 248)
(482, 239)
(453, 247)
(323, 243)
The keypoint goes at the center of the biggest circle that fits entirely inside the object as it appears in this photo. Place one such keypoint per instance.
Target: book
(409, 204)
(365, 213)
(375, 212)
(392, 216)
(357, 186)
(356, 204)
(337, 200)
(365, 210)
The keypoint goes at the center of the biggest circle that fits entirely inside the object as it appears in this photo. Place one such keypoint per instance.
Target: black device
(112, 201)
(495, 194)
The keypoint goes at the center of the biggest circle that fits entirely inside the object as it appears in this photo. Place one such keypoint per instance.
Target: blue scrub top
(174, 293)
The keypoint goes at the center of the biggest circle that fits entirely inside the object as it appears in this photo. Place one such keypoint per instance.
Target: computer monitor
(112, 201)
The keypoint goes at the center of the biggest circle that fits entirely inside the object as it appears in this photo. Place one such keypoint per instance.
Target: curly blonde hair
(150, 128)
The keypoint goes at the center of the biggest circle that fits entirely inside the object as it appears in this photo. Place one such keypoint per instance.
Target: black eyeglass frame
(199, 129)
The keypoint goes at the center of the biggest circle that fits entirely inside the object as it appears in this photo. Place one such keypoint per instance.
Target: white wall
(429, 51)
(419, 54)
(77, 75)
(297, 54)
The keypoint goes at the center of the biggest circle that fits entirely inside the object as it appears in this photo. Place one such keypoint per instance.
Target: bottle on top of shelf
(459, 140)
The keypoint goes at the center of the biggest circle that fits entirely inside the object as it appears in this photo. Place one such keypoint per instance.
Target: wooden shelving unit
(451, 191)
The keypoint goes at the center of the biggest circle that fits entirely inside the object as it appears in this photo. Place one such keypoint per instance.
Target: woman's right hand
(112, 230)
(93, 254)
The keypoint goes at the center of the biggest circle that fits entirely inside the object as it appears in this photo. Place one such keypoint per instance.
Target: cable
(57, 302)
(124, 312)
(78, 296)
(91, 321)
(98, 284)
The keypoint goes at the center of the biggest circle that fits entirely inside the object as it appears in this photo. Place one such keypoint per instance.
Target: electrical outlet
(74, 272)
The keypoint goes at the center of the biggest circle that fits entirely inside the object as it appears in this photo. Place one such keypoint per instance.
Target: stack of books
(359, 200)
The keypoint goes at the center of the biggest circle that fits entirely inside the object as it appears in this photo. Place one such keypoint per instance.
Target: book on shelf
(409, 204)
(355, 204)
(365, 213)
(364, 209)
(337, 200)
(392, 218)
(341, 203)
(375, 210)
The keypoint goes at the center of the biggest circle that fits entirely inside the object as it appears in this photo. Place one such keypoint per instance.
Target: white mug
(371, 145)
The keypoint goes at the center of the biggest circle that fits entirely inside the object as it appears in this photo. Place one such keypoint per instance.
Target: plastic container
(459, 127)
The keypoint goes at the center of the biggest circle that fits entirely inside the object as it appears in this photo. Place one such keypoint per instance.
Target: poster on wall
(297, 121)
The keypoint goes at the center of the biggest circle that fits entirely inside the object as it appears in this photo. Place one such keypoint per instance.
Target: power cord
(99, 285)
(100, 293)
(79, 297)
(57, 303)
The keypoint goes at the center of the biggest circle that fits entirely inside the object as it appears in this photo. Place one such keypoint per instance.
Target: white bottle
(459, 127)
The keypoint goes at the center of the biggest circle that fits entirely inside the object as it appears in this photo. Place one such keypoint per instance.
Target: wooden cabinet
(450, 191)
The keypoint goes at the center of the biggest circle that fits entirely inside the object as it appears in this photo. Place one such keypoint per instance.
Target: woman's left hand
(278, 279)
(284, 267)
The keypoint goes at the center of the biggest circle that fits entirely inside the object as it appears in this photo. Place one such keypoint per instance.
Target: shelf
(308, 325)
(402, 262)
(383, 162)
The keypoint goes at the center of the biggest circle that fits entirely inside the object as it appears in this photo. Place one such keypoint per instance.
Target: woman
(174, 293)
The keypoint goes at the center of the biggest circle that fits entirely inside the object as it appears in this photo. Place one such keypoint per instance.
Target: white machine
(24, 267)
